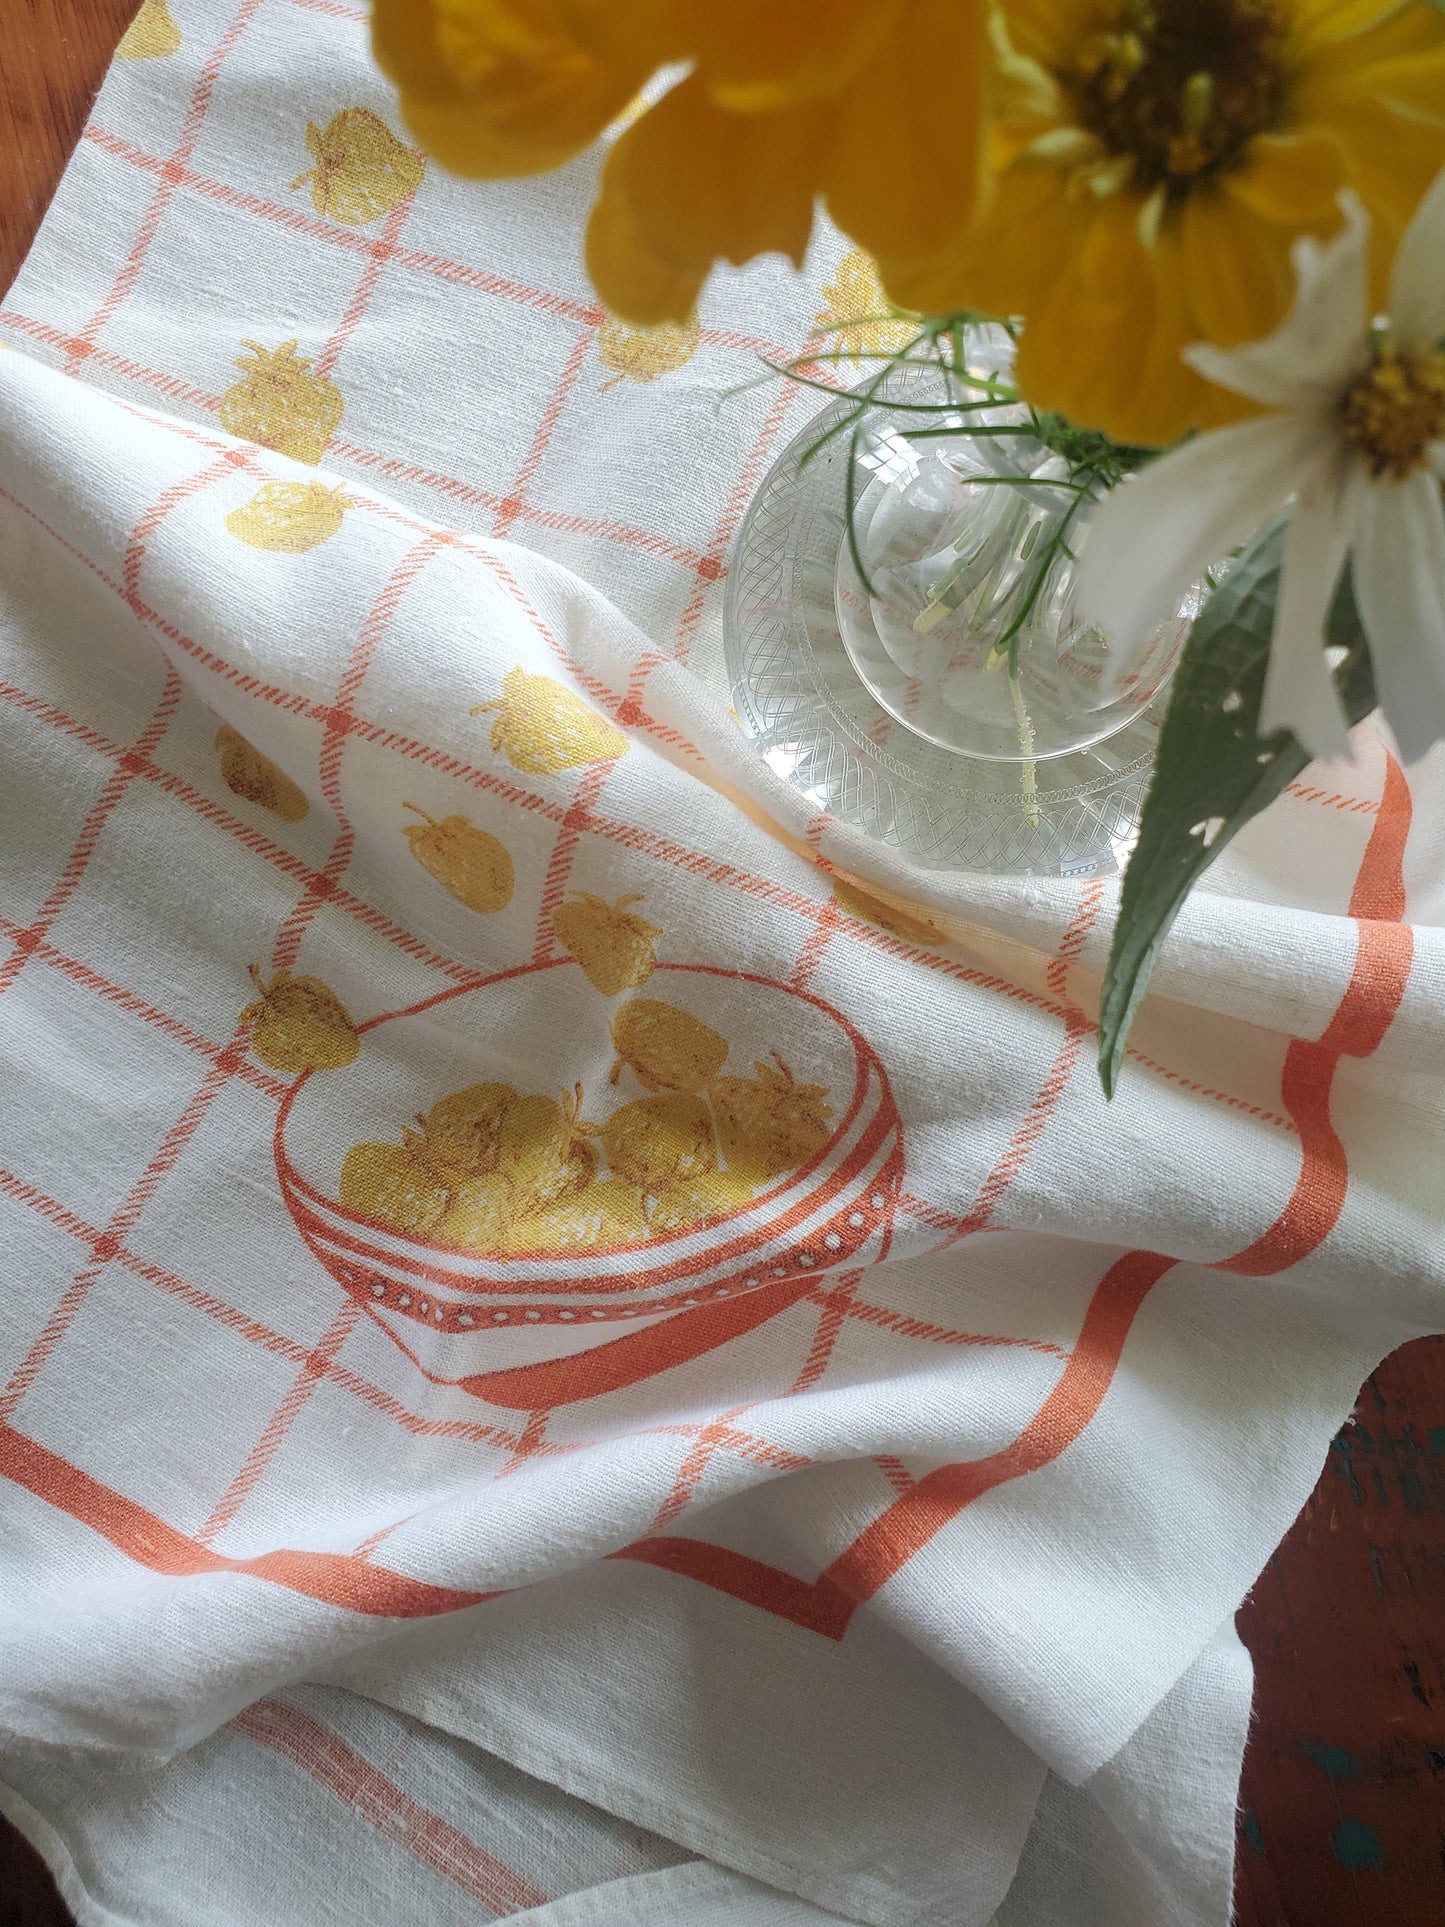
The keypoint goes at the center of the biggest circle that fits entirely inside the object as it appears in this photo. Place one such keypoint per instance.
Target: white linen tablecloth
(861, 1540)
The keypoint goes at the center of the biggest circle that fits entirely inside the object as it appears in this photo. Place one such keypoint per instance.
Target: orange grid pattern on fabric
(921, 1506)
(1374, 993)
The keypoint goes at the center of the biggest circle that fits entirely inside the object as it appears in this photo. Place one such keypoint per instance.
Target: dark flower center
(1180, 87)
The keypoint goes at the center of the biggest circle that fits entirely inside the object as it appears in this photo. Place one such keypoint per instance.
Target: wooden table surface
(1343, 1801)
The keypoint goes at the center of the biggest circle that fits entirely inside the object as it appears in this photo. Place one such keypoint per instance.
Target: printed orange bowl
(542, 1029)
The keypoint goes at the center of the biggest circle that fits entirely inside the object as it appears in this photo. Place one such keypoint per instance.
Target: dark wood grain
(1343, 1802)
(27, 1898)
(53, 56)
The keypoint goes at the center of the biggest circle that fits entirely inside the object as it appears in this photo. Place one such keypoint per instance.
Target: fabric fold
(522, 1243)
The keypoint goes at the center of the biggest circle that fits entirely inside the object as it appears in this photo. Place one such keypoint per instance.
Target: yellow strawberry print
(464, 1131)
(299, 1024)
(542, 1148)
(678, 1207)
(289, 517)
(361, 169)
(612, 944)
(479, 1212)
(926, 935)
(856, 313)
(281, 404)
(769, 1123)
(598, 1218)
(661, 1141)
(646, 354)
(603, 1215)
(470, 863)
(151, 35)
(394, 1183)
(490, 1171)
(666, 1048)
(247, 773)
(544, 728)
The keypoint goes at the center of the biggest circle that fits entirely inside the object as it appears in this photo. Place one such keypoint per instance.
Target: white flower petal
(1417, 281)
(1299, 692)
(1323, 340)
(1399, 569)
(1435, 456)
(1153, 536)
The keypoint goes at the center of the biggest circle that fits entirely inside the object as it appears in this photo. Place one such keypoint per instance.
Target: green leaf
(1213, 773)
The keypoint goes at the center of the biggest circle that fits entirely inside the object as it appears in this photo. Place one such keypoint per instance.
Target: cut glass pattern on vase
(928, 679)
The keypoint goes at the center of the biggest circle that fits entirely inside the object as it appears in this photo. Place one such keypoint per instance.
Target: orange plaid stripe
(460, 273)
(1381, 971)
(128, 765)
(628, 835)
(1331, 799)
(253, 1330)
(267, 1445)
(435, 1842)
(388, 468)
(512, 503)
(333, 1578)
(151, 221)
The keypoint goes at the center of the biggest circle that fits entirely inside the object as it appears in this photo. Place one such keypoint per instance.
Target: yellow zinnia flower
(1155, 160)
(781, 105)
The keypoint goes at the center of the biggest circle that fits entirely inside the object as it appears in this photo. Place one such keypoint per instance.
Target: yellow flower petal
(509, 117)
(990, 270)
(1339, 46)
(632, 282)
(1111, 277)
(1237, 279)
(1125, 304)
(1388, 114)
(1291, 178)
(756, 55)
(1392, 161)
(902, 183)
(1131, 295)
(689, 184)
(548, 120)
(1167, 392)
(403, 38)
(1050, 31)
(1383, 100)
(1337, 110)
(1342, 19)
(1111, 258)
(475, 33)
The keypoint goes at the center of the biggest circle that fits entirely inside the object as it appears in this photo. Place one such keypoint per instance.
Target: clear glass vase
(903, 641)
(955, 595)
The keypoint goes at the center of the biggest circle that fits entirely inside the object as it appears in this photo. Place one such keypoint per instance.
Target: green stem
(1009, 639)
(1030, 776)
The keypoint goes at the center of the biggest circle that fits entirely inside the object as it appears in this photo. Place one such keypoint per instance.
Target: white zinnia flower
(1358, 440)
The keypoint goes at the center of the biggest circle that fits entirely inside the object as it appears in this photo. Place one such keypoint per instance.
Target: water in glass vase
(961, 619)
(900, 636)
